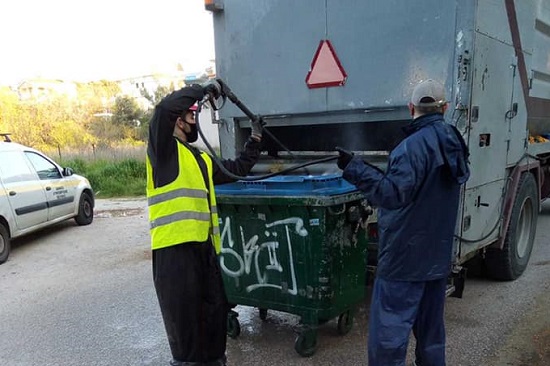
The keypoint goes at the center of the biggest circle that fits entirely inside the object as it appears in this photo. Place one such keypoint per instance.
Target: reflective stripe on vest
(183, 210)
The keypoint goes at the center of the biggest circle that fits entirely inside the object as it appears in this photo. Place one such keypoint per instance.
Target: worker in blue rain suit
(417, 199)
(184, 228)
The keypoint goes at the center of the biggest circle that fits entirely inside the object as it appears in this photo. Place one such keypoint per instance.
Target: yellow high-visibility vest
(184, 210)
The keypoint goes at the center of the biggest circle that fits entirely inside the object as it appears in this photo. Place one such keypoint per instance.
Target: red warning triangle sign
(325, 69)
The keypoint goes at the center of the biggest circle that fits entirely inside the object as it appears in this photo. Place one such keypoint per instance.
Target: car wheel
(5, 245)
(85, 214)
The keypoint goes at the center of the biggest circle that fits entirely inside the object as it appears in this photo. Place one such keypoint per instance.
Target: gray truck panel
(261, 51)
(415, 51)
(482, 222)
(265, 48)
(492, 93)
(540, 62)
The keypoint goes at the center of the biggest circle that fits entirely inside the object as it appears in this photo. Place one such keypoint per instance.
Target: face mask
(192, 135)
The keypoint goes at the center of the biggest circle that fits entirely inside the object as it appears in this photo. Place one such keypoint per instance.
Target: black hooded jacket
(162, 146)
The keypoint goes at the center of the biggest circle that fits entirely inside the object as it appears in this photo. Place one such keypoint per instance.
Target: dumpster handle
(335, 213)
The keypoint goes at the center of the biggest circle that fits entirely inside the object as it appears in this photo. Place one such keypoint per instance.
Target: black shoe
(219, 362)
(183, 363)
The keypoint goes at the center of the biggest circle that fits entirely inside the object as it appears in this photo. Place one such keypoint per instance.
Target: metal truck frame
(492, 56)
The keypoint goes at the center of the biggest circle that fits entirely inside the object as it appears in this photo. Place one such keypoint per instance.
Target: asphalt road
(75, 295)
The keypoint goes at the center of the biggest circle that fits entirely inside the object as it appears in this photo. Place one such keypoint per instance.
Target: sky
(102, 39)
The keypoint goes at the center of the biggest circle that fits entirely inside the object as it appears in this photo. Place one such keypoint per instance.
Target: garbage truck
(333, 73)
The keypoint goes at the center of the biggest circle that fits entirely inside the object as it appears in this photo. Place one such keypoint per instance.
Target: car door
(26, 194)
(60, 190)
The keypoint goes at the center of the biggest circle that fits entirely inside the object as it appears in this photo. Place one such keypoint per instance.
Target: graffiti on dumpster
(252, 247)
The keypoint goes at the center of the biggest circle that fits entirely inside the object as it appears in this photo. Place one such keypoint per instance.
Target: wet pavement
(84, 296)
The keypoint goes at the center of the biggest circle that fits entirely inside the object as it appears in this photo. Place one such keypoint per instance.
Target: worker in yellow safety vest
(184, 228)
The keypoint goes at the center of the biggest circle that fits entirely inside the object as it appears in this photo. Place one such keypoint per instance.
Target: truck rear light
(372, 231)
(213, 5)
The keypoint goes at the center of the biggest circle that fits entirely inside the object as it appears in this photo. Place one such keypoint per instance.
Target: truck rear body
(491, 55)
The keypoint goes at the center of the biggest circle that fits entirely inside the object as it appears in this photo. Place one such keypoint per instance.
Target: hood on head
(454, 151)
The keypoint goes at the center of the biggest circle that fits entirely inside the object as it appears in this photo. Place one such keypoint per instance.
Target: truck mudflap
(457, 281)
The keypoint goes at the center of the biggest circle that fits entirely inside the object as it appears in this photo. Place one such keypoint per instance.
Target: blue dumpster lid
(289, 185)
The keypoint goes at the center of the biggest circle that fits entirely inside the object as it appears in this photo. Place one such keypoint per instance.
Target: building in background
(41, 89)
(139, 86)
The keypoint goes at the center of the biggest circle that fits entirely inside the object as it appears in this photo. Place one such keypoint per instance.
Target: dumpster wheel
(306, 343)
(263, 313)
(233, 326)
(345, 322)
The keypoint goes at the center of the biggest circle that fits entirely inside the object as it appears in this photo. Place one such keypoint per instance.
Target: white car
(36, 192)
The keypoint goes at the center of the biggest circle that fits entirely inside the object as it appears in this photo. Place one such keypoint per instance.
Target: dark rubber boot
(183, 363)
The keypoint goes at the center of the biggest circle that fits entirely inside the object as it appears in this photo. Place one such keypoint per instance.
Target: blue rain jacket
(417, 199)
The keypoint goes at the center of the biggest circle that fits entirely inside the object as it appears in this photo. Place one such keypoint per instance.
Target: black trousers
(192, 300)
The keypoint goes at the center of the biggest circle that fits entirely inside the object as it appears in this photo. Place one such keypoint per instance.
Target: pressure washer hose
(219, 163)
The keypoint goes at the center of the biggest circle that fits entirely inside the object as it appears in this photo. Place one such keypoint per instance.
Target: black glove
(213, 88)
(257, 128)
(344, 158)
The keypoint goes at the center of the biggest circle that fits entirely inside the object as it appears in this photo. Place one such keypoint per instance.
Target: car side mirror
(67, 172)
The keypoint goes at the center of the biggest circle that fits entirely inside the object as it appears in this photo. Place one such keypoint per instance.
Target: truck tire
(5, 245)
(510, 262)
(85, 214)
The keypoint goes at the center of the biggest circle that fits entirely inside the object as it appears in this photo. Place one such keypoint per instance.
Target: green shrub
(124, 178)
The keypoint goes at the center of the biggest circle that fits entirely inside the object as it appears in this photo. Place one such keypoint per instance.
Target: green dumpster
(294, 244)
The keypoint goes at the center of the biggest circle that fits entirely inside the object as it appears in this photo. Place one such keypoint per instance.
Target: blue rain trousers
(397, 308)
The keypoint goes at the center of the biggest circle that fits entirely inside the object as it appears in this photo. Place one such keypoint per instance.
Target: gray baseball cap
(431, 91)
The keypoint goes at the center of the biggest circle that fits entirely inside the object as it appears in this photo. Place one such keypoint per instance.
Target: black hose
(482, 238)
(228, 93)
(219, 163)
(278, 142)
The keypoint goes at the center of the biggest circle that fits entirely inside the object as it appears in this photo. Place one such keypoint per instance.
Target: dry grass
(91, 153)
